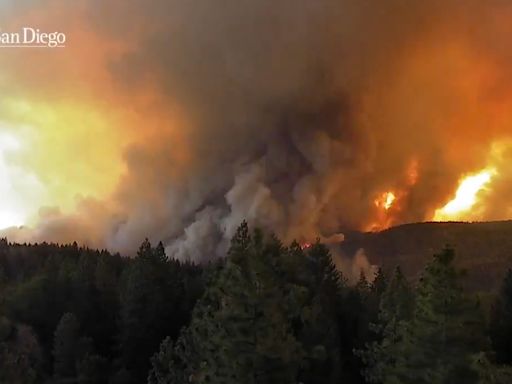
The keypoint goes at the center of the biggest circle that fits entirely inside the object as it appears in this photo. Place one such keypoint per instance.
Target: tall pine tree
(396, 307)
(439, 343)
(500, 327)
(148, 297)
(65, 347)
(239, 332)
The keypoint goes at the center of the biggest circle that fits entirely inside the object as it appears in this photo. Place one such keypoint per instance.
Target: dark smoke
(292, 114)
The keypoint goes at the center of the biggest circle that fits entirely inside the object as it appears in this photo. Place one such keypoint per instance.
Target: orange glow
(385, 201)
(383, 217)
(412, 173)
(466, 195)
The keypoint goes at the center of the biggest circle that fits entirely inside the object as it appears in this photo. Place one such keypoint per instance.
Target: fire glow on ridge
(466, 195)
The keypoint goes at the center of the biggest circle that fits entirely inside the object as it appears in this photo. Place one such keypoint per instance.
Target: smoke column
(176, 120)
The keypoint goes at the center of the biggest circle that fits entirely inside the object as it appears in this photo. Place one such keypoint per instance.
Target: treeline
(267, 313)
(73, 315)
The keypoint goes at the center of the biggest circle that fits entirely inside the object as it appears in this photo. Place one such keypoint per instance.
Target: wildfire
(385, 201)
(466, 195)
(305, 246)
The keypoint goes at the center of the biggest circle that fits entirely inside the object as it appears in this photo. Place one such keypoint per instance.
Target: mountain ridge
(483, 249)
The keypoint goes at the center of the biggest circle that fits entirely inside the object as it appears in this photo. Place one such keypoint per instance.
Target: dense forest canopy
(266, 313)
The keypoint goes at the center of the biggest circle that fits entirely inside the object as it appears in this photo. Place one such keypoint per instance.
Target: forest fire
(469, 202)
(385, 201)
(466, 195)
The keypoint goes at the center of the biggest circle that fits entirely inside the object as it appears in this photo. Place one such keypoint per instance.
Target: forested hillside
(71, 314)
(484, 250)
(267, 313)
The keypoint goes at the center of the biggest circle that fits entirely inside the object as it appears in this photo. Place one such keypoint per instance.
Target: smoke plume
(295, 115)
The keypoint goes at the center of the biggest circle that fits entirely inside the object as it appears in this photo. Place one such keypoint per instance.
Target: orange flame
(385, 201)
(466, 196)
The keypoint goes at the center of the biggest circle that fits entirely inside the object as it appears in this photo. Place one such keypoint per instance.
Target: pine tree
(373, 299)
(65, 346)
(362, 285)
(168, 365)
(106, 286)
(439, 343)
(137, 333)
(159, 254)
(358, 312)
(396, 306)
(239, 332)
(379, 283)
(21, 357)
(148, 298)
(3, 279)
(500, 327)
(318, 323)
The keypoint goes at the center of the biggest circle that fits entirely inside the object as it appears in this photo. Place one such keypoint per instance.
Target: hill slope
(483, 249)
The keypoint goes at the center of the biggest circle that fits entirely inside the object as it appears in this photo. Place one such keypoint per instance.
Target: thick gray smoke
(294, 115)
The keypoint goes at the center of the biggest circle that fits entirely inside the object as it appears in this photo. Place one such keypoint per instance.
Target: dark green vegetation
(268, 313)
(72, 315)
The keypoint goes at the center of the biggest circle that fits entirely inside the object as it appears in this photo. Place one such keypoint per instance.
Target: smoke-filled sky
(176, 120)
